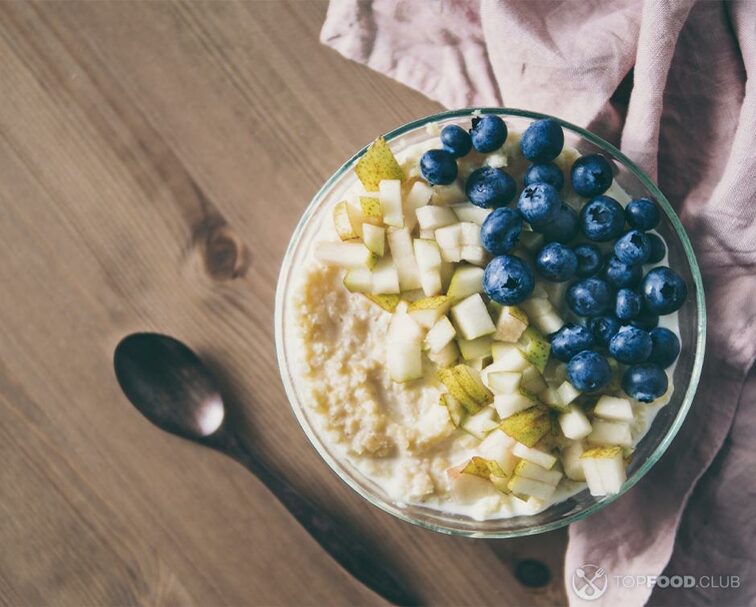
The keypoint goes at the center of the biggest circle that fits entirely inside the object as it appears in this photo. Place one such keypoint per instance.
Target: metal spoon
(172, 388)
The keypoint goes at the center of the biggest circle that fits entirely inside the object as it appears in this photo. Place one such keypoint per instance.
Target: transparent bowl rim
(657, 452)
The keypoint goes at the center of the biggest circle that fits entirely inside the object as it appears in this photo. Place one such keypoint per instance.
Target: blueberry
(643, 214)
(563, 227)
(602, 219)
(664, 291)
(632, 248)
(620, 275)
(658, 250)
(630, 345)
(539, 203)
(591, 175)
(488, 133)
(665, 347)
(589, 371)
(645, 382)
(501, 230)
(508, 280)
(438, 167)
(546, 172)
(488, 187)
(456, 140)
(542, 141)
(556, 262)
(645, 320)
(589, 297)
(603, 329)
(589, 260)
(570, 340)
(628, 304)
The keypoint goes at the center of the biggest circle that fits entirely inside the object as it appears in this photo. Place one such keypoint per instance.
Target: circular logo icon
(589, 582)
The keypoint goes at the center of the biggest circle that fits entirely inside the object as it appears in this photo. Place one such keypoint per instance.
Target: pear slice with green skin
(376, 164)
(343, 223)
(446, 376)
(455, 409)
(469, 379)
(372, 212)
(428, 310)
(358, 280)
(535, 347)
(484, 468)
(529, 426)
(374, 238)
(387, 302)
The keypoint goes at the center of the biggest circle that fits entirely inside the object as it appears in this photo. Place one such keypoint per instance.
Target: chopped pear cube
(454, 407)
(404, 361)
(478, 363)
(574, 423)
(511, 324)
(469, 233)
(427, 254)
(446, 270)
(481, 423)
(475, 255)
(536, 306)
(466, 281)
(548, 323)
(466, 211)
(378, 163)
(614, 409)
(504, 382)
(390, 195)
(447, 194)
(610, 433)
(343, 222)
(521, 486)
(475, 348)
(374, 238)
(450, 237)
(345, 255)
(507, 405)
(427, 234)
(359, 280)
(446, 356)
(453, 255)
(497, 447)
(532, 380)
(372, 212)
(604, 470)
(550, 397)
(535, 347)
(529, 426)
(472, 318)
(543, 459)
(418, 196)
(430, 280)
(404, 328)
(536, 472)
(573, 468)
(387, 302)
(482, 467)
(403, 253)
(428, 310)
(455, 389)
(432, 217)
(385, 278)
(508, 357)
(567, 392)
(440, 334)
(469, 379)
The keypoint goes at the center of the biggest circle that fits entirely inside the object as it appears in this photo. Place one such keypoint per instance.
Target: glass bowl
(692, 321)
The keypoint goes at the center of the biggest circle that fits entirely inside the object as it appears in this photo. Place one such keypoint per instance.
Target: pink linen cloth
(674, 84)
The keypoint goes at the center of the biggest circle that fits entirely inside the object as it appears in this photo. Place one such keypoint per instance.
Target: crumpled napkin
(674, 83)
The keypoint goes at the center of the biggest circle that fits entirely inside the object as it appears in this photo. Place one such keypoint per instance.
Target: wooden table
(154, 159)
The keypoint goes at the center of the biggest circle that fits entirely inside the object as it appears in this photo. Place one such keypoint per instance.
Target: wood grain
(154, 158)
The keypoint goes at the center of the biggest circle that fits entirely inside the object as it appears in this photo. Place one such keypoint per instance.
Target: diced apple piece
(567, 392)
(345, 255)
(447, 194)
(374, 238)
(403, 253)
(372, 212)
(385, 278)
(343, 223)
(425, 312)
(471, 317)
(529, 426)
(614, 409)
(573, 468)
(450, 237)
(574, 423)
(390, 195)
(475, 348)
(532, 380)
(466, 281)
(446, 356)
(440, 334)
(453, 255)
(378, 163)
(481, 423)
(507, 405)
(359, 280)
(521, 486)
(469, 212)
(543, 459)
(610, 433)
(431, 217)
(535, 347)
(497, 447)
(469, 233)
(511, 324)
(475, 255)
(504, 382)
(532, 241)
(454, 407)
(604, 470)
(508, 357)
(536, 472)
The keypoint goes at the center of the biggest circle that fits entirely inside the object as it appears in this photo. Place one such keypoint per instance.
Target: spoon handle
(343, 544)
